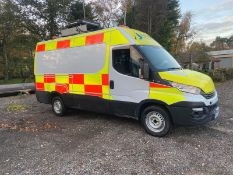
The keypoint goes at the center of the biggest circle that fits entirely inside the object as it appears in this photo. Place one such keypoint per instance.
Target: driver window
(127, 61)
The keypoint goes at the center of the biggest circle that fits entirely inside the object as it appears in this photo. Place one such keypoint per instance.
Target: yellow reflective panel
(167, 95)
(62, 79)
(107, 36)
(105, 70)
(49, 87)
(93, 79)
(141, 38)
(78, 89)
(35, 62)
(118, 38)
(191, 78)
(107, 97)
(51, 45)
(71, 88)
(39, 78)
(105, 90)
(77, 41)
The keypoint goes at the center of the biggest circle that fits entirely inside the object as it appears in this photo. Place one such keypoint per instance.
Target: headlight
(186, 88)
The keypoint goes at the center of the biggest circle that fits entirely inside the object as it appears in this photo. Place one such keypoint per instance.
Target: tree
(107, 12)
(168, 27)
(17, 44)
(184, 34)
(222, 43)
(230, 42)
(44, 17)
(185, 48)
(195, 53)
(148, 15)
(157, 18)
(128, 12)
(77, 11)
(9, 30)
(198, 51)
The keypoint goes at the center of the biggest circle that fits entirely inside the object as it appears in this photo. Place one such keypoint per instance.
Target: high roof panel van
(124, 72)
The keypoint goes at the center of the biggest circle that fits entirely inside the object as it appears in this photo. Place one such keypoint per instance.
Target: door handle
(111, 84)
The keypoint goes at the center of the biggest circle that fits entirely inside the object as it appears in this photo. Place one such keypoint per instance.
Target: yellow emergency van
(124, 72)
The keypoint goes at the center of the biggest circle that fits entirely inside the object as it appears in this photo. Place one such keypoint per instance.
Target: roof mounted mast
(80, 26)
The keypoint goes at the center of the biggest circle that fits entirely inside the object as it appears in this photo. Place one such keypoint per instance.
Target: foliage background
(25, 22)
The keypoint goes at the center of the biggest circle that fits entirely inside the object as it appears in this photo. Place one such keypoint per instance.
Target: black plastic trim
(187, 117)
(148, 102)
(91, 103)
(188, 104)
(43, 97)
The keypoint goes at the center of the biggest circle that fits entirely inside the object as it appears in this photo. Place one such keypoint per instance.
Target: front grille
(209, 95)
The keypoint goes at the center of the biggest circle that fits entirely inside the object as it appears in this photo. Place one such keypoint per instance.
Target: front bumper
(193, 113)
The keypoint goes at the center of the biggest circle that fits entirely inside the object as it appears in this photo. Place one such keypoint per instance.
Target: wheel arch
(150, 102)
(54, 94)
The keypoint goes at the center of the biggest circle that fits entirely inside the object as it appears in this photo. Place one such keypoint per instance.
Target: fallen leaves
(13, 107)
(28, 126)
(49, 126)
(19, 123)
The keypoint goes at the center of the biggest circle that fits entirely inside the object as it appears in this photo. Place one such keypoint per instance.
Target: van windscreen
(159, 58)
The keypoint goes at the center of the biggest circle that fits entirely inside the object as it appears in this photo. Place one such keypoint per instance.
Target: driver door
(127, 87)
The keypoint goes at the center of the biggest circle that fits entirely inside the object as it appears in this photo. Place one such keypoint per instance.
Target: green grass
(15, 81)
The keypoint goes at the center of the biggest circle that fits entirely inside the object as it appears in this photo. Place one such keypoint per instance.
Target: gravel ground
(34, 141)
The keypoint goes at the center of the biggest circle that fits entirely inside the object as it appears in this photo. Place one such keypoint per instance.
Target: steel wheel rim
(155, 121)
(57, 106)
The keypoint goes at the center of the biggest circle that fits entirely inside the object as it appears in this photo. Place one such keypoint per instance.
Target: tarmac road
(34, 141)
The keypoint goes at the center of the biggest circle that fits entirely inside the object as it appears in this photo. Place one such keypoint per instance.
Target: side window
(127, 62)
(121, 60)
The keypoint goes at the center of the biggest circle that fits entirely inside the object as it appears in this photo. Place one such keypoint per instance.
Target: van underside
(181, 113)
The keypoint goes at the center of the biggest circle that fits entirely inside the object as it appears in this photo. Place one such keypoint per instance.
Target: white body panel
(127, 88)
(199, 98)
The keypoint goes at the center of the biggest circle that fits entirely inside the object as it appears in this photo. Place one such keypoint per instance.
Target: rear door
(126, 87)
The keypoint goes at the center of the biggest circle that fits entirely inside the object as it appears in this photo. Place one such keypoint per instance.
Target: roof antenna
(125, 16)
(84, 11)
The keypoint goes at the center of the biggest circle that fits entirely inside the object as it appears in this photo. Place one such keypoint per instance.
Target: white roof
(220, 52)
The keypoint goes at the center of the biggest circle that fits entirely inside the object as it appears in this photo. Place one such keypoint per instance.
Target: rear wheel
(58, 106)
(156, 121)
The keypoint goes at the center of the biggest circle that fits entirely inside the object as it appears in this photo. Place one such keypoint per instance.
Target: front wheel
(156, 121)
(58, 106)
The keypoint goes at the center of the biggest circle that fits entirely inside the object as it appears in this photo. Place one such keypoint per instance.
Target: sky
(211, 18)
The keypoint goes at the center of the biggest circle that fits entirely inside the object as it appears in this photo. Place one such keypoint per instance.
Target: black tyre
(58, 106)
(156, 121)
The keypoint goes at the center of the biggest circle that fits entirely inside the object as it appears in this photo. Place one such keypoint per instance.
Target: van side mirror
(146, 71)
